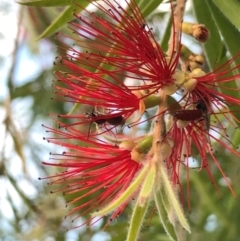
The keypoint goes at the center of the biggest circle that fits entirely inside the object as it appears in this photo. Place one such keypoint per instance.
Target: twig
(177, 25)
(14, 54)
(159, 127)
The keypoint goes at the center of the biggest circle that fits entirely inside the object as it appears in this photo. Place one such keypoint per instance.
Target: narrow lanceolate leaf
(163, 215)
(231, 9)
(148, 7)
(166, 34)
(229, 34)
(216, 49)
(173, 200)
(136, 221)
(125, 195)
(63, 18)
(147, 186)
(228, 31)
(45, 3)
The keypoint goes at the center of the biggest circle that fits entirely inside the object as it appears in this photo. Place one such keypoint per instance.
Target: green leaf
(172, 198)
(231, 9)
(134, 186)
(215, 21)
(228, 31)
(136, 221)
(163, 215)
(62, 19)
(215, 49)
(167, 33)
(229, 34)
(147, 186)
(45, 3)
(148, 7)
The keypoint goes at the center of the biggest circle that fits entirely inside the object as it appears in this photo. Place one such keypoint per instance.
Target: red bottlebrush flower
(199, 122)
(217, 103)
(111, 103)
(118, 45)
(105, 52)
(99, 173)
(198, 126)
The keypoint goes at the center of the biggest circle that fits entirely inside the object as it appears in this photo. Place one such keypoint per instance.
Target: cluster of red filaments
(113, 73)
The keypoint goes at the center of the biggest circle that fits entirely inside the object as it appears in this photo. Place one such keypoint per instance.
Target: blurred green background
(28, 212)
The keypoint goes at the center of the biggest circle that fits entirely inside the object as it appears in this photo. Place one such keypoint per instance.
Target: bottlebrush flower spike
(118, 44)
(198, 125)
(111, 104)
(198, 120)
(100, 173)
(111, 100)
(213, 99)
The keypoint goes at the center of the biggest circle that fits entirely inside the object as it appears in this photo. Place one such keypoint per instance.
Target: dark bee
(200, 113)
(188, 115)
(201, 105)
(100, 119)
(194, 114)
(116, 121)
